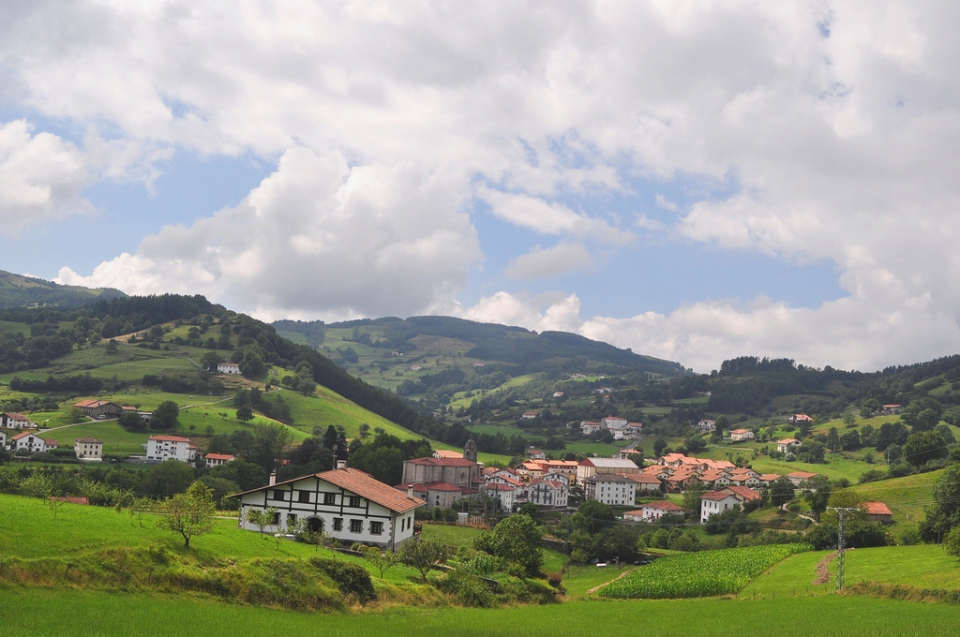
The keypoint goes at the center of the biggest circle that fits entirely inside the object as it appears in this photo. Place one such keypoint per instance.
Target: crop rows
(700, 574)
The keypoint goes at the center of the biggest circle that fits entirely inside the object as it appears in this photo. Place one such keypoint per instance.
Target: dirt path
(823, 573)
(596, 588)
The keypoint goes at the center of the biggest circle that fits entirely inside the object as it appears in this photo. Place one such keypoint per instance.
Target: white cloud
(549, 262)
(317, 237)
(41, 177)
(540, 312)
(838, 149)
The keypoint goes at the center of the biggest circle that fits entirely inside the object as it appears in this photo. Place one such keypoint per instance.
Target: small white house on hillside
(229, 368)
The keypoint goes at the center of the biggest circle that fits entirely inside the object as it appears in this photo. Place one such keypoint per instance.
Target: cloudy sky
(694, 180)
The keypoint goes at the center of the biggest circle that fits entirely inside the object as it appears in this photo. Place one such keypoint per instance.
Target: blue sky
(695, 182)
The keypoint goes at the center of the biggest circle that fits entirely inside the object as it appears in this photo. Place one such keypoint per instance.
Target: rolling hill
(17, 290)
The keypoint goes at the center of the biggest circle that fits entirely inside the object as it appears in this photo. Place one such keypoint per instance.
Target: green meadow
(73, 613)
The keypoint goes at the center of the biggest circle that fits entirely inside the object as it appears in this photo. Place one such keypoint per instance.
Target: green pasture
(71, 613)
(116, 440)
(920, 566)
(596, 448)
(578, 580)
(10, 326)
(295, 337)
(906, 496)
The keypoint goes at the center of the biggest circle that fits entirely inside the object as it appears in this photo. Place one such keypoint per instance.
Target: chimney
(341, 464)
(410, 491)
(273, 479)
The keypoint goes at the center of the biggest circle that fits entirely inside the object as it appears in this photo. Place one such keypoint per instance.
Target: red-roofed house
(88, 449)
(787, 445)
(548, 493)
(877, 512)
(346, 504)
(29, 441)
(653, 511)
(800, 478)
(505, 493)
(160, 448)
(217, 459)
(97, 408)
(713, 502)
(14, 420)
(741, 435)
(799, 419)
(646, 482)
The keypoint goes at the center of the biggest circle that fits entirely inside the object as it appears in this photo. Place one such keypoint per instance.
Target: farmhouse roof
(12, 415)
(219, 456)
(876, 508)
(90, 441)
(24, 435)
(643, 478)
(802, 475)
(169, 438)
(359, 482)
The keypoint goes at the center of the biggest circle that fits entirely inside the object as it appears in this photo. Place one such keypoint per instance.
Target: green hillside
(17, 290)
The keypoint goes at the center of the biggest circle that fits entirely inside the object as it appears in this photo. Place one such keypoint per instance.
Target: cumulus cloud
(548, 262)
(811, 131)
(41, 177)
(318, 237)
(542, 312)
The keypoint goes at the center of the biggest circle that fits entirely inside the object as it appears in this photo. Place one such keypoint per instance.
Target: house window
(337, 524)
(276, 518)
(354, 501)
(291, 519)
(277, 494)
(303, 496)
(329, 498)
(356, 526)
(376, 528)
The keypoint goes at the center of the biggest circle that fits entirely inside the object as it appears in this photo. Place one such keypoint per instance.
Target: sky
(693, 180)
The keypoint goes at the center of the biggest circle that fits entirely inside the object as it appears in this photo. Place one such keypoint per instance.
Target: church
(441, 481)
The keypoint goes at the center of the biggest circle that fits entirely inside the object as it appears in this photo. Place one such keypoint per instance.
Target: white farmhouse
(552, 492)
(13, 420)
(88, 449)
(160, 448)
(229, 368)
(29, 441)
(346, 504)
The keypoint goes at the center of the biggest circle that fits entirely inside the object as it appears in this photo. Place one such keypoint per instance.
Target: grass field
(45, 613)
(921, 566)
(906, 496)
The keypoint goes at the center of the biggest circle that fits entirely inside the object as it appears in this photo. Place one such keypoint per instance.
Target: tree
(190, 514)
(944, 514)
(658, 446)
(166, 479)
(781, 492)
(951, 542)
(261, 518)
(869, 407)
(517, 539)
(923, 446)
(381, 560)
(592, 516)
(210, 360)
(423, 555)
(244, 413)
(691, 498)
(166, 415)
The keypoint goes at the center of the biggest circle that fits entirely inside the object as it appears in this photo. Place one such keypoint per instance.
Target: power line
(841, 537)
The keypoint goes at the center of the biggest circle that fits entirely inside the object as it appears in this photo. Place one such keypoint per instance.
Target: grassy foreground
(46, 613)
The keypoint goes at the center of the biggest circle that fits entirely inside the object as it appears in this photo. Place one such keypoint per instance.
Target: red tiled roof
(90, 441)
(218, 456)
(663, 506)
(443, 486)
(169, 438)
(744, 492)
(366, 486)
(802, 475)
(876, 508)
(715, 495)
(24, 435)
(444, 462)
(12, 415)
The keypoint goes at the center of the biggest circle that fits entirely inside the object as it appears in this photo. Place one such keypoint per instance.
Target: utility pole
(841, 537)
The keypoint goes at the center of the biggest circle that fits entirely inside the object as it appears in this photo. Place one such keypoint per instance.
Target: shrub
(351, 579)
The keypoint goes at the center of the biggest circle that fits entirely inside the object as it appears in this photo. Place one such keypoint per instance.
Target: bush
(352, 579)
